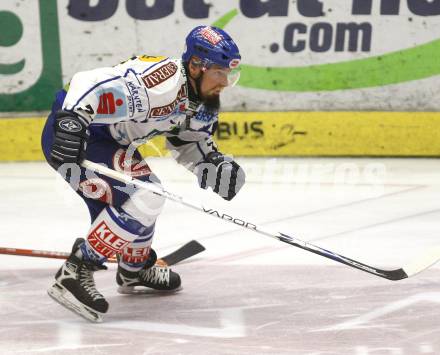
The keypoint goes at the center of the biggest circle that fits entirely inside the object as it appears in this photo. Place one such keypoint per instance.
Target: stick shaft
(396, 274)
(40, 253)
(184, 252)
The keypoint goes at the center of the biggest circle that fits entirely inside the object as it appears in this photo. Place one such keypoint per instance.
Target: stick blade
(424, 261)
(394, 275)
(186, 251)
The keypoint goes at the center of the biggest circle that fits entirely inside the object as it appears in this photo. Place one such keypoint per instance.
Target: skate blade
(61, 295)
(133, 290)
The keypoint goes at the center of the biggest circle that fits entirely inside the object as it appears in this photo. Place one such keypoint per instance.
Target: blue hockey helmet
(213, 46)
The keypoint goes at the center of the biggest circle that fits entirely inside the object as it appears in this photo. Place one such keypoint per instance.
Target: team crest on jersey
(133, 167)
(176, 105)
(112, 103)
(159, 75)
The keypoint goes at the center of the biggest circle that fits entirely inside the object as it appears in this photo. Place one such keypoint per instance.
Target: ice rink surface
(246, 294)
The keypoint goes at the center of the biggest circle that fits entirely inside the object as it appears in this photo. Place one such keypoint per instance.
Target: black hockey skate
(75, 289)
(149, 279)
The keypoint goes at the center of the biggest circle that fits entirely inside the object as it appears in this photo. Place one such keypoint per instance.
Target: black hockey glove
(222, 174)
(70, 139)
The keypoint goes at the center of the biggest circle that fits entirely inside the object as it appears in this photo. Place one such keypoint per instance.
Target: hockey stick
(184, 252)
(421, 263)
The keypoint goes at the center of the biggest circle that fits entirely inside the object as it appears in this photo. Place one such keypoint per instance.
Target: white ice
(383, 212)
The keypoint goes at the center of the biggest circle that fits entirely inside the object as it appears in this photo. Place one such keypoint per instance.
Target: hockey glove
(70, 139)
(221, 173)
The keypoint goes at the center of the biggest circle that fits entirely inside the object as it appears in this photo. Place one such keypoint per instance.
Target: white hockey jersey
(143, 97)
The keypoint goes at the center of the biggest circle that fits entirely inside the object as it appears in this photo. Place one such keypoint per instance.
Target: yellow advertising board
(277, 134)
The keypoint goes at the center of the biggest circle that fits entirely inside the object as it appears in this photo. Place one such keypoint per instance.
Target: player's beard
(211, 102)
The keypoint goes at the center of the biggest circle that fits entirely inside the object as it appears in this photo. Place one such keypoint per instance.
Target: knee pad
(145, 206)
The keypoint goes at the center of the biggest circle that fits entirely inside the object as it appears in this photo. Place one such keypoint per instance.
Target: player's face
(210, 81)
(214, 80)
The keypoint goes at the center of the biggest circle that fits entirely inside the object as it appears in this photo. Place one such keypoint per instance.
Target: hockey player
(103, 115)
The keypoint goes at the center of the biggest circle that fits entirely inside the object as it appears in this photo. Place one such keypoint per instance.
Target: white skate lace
(156, 275)
(87, 281)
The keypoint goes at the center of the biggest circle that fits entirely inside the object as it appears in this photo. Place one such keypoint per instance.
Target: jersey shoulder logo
(159, 75)
(112, 104)
(107, 103)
